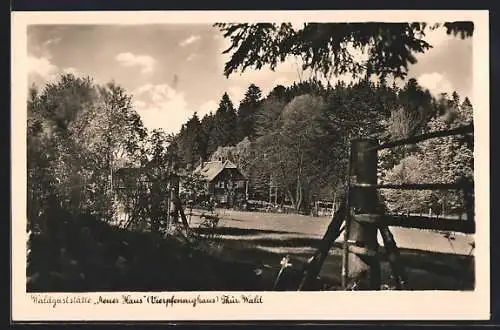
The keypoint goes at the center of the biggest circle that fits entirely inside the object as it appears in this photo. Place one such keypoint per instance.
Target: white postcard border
(384, 305)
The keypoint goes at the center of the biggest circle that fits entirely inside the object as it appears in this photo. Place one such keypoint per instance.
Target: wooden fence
(360, 216)
(365, 218)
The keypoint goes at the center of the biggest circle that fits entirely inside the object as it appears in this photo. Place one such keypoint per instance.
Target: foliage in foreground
(89, 255)
(389, 48)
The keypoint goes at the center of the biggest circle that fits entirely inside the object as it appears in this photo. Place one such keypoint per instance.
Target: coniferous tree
(207, 124)
(278, 92)
(246, 112)
(466, 109)
(418, 103)
(224, 130)
(311, 86)
(323, 47)
(191, 141)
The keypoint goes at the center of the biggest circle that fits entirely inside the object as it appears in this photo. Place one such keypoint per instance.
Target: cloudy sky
(175, 70)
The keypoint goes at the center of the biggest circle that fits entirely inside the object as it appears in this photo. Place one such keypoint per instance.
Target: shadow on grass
(234, 231)
(425, 270)
(295, 242)
(92, 256)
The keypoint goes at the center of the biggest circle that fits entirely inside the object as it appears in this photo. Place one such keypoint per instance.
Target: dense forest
(296, 139)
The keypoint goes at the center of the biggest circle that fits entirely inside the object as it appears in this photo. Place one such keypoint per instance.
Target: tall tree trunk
(290, 195)
(297, 197)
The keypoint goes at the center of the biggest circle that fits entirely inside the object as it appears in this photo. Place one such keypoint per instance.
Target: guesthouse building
(224, 182)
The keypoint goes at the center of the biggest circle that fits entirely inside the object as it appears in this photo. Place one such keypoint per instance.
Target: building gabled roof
(210, 170)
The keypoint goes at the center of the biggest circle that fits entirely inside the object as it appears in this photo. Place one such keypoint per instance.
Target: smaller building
(224, 182)
(133, 186)
(130, 178)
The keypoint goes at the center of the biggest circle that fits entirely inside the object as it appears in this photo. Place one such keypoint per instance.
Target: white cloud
(138, 104)
(436, 83)
(41, 70)
(192, 57)
(41, 49)
(51, 41)
(281, 81)
(145, 61)
(437, 37)
(144, 89)
(236, 94)
(159, 93)
(42, 67)
(71, 70)
(161, 106)
(286, 73)
(190, 40)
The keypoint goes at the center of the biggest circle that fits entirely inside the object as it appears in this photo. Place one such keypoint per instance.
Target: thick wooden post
(362, 265)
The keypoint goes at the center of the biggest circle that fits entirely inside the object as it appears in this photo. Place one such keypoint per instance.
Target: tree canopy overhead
(327, 47)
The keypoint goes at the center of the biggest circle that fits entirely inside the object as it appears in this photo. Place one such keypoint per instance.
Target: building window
(220, 184)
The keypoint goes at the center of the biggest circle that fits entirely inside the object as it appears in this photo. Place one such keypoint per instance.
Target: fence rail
(419, 138)
(363, 221)
(418, 186)
(418, 222)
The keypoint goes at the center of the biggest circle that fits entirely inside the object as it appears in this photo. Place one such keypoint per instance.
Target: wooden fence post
(362, 266)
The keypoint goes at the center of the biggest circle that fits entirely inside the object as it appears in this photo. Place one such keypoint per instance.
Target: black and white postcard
(273, 165)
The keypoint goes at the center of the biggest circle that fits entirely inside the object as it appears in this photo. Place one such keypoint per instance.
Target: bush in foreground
(88, 255)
